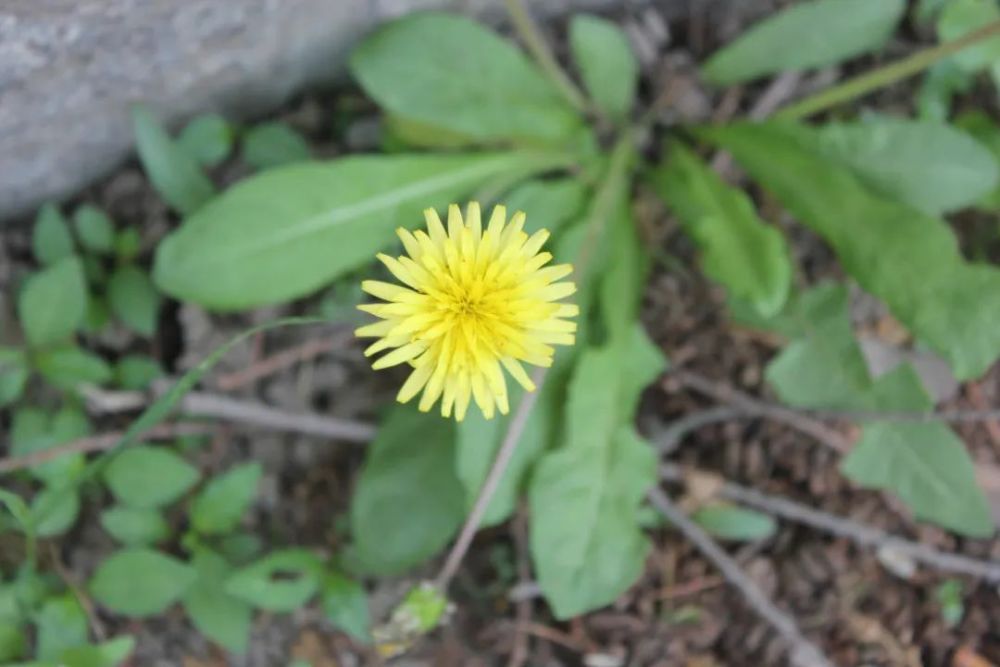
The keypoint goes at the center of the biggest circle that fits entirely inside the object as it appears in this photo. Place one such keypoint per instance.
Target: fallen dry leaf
(967, 657)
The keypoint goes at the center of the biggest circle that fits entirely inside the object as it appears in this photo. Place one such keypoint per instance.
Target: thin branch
(539, 48)
(503, 457)
(881, 77)
(68, 578)
(279, 361)
(525, 607)
(99, 443)
(726, 394)
(667, 440)
(252, 413)
(201, 404)
(801, 651)
(859, 533)
(756, 407)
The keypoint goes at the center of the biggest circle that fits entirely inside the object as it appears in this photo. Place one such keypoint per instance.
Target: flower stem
(539, 48)
(615, 179)
(486, 493)
(884, 76)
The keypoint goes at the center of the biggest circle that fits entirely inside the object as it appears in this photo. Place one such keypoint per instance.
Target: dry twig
(758, 408)
(859, 533)
(801, 651)
(519, 528)
(97, 443)
(279, 361)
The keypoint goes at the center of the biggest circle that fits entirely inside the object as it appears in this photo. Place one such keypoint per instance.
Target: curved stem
(486, 493)
(532, 36)
(883, 76)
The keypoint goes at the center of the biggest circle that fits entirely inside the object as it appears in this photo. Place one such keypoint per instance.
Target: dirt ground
(681, 612)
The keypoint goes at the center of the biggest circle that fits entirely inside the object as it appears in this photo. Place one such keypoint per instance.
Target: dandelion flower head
(473, 302)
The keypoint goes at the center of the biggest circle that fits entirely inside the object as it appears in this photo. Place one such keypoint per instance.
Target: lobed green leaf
(806, 35)
(451, 72)
(739, 250)
(908, 259)
(289, 231)
(606, 63)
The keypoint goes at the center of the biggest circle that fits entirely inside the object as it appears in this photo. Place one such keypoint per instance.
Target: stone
(70, 69)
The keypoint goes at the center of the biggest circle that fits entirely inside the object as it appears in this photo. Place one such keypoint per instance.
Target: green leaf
(174, 173)
(607, 65)
(137, 371)
(34, 430)
(53, 302)
(94, 229)
(208, 138)
(586, 542)
(133, 299)
(61, 624)
(729, 522)
(806, 35)
(282, 581)
(13, 374)
(134, 527)
(148, 477)
(942, 82)
(739, 250)
(401, 132)
(13, 642)
(949, 595)
(823, 367)
(345, 605)
(624, 274)
(408, 502)
(109, 654)
(51, 240)
(55, 510)
(218, 615)
(451, 72)
(928, 467)
(478, 439)
(273, 145)
(984, 130)
(128, 243)
(140, 581)
(220, 505)
(69, 366)
(931, 166)
(924, 463)
(548, 204)
(97, 316)
(960, 17)
(158, 410)
(240, 548)
(423, 609)
(289, 231)
(908, 259)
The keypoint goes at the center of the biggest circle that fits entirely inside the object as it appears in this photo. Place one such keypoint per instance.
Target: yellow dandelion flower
(473, 302)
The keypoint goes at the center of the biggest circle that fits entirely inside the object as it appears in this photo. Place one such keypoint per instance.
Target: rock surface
(69, 69)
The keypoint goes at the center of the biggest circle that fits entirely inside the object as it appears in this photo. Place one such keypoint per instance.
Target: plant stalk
(614, 181)
(884, 76)
(528, 30)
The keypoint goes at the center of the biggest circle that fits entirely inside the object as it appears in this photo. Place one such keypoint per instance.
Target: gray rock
(69, 69)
